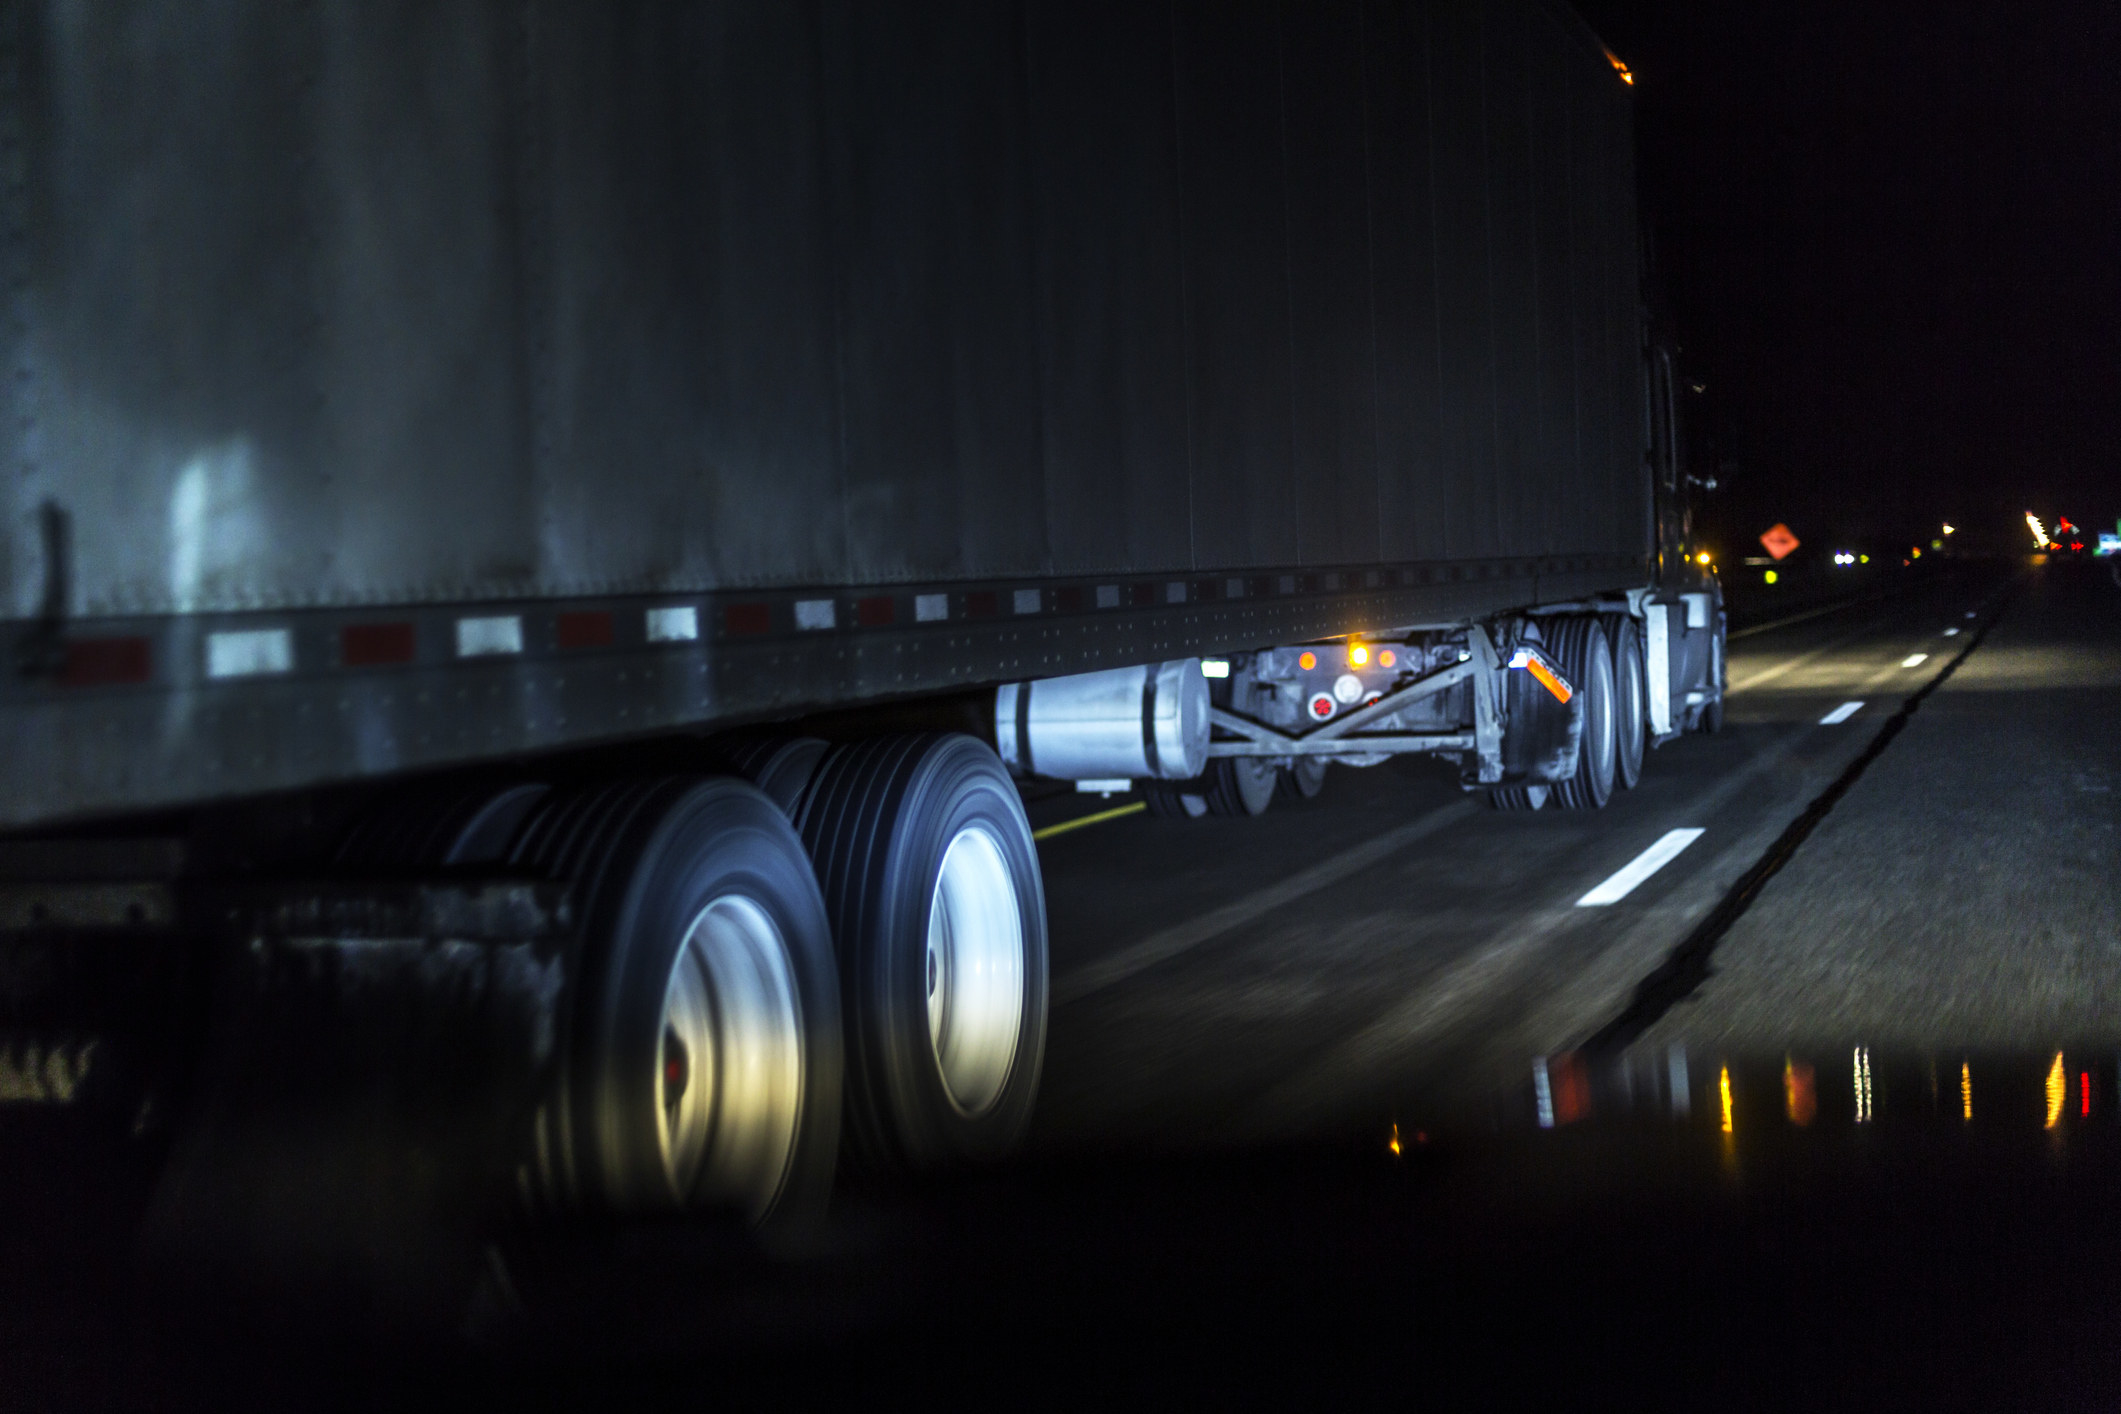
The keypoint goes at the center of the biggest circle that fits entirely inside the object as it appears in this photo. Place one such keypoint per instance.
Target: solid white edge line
(1841, 714)
(1620, 885)
(1914, 660)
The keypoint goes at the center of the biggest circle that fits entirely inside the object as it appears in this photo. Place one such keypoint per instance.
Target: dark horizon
(1888, 236)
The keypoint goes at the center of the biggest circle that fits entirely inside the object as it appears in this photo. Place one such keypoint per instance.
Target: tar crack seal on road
(1677, 977)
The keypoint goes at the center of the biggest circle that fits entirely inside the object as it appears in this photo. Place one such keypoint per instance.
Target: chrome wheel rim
(975, 970)
(729, 1064)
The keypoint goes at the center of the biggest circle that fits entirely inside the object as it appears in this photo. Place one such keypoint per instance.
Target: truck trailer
(575, 524)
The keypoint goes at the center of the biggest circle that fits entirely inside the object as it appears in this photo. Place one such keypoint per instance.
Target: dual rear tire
(1601, 658)
(744, 995)
(930, 879)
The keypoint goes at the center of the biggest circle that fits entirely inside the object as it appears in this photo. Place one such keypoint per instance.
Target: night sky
(1890, 236)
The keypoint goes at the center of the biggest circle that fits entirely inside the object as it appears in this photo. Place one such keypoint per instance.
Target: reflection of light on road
(1723, 1088)
(2057, 1091)
(1863, 1084)
(1682, 1096)
(1966, 1091)
(1800, 1096)
(1394, 1145)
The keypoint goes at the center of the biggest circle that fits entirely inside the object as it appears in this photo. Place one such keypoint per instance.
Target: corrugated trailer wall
(455, 300)
(401, 383)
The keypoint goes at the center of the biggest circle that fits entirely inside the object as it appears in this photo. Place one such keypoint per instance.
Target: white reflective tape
(1951, 633)
(674, 625)
(931, 608)
(1233, 589)
(815, 613)
(1111, 787)
(1108, 596)
(1027, 601)
(1914, 660)
(1175, 592)
(502, 633)
(1215, 667)
(1841, 714)
(1639, 868)
(1542, 1092)
(250, 653)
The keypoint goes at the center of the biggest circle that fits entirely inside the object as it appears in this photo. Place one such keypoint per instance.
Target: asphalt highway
(1901, 842)
(1397, 952)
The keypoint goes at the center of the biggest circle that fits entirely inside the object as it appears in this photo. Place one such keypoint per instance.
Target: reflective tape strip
(485, 637)
(931, 608)
(1108, 596)
(677, 624)
(250, 653)
(1026, 601)
(815, 613)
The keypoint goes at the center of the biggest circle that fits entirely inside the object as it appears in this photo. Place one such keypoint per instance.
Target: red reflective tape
(1141, 595)
(585, 628)
(373, 645)
(748, 618)
(982, 604)
(877, 611)
(101, 662)
(1068, 599)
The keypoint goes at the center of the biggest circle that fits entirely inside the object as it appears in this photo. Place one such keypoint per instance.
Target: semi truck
(558, 534)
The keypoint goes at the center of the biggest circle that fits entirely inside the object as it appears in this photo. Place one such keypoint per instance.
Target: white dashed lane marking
(1914, 660)
(1641, 867)
(1841, 714)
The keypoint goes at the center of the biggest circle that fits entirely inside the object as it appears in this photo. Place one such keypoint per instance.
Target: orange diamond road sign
(1778, 540)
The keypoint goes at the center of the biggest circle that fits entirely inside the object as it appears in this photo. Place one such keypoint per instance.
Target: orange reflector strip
(1547, 679)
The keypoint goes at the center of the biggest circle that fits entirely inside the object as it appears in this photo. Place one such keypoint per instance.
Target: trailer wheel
(1167, 803)
(1239, 785)
(1302, 779)
(1587, 660)
(1631, 701)
(703, 1067)
(931, 880)
(1518, 797)
(779, 766)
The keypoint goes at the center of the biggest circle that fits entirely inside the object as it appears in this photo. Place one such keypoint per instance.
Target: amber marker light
(1394, 1145)
(2057, 1091)
(1703, 557)
(1387, 658)
(1358, 655)
(1723, 1089)
(1307, 661)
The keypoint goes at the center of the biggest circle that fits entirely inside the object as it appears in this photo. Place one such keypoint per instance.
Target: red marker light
(2084, 1091)
(1321, 705)
(1307, 661)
